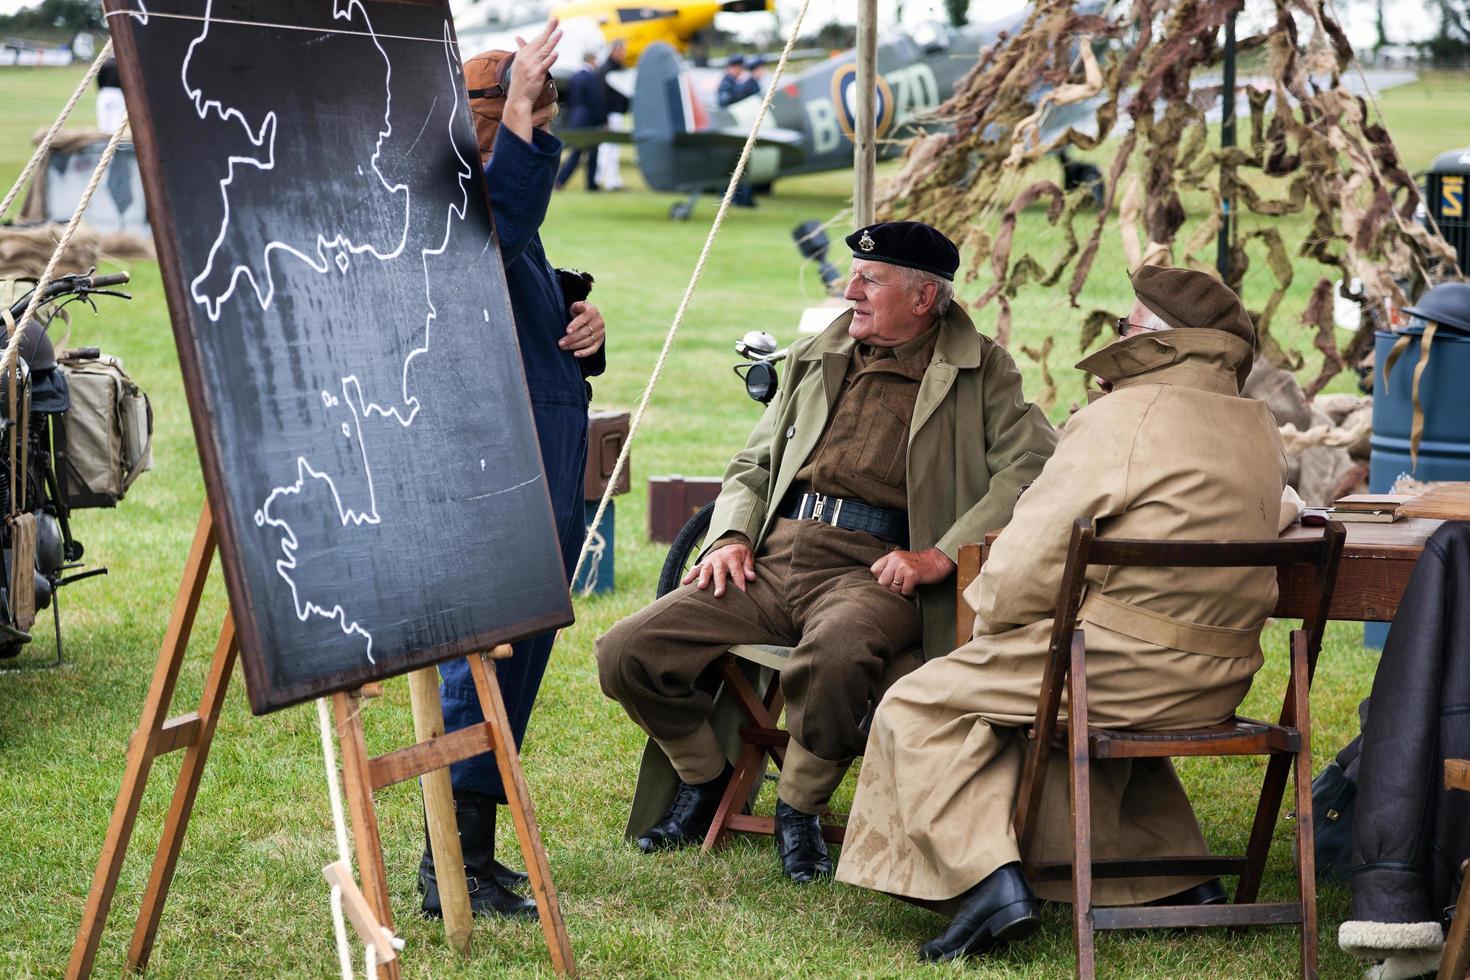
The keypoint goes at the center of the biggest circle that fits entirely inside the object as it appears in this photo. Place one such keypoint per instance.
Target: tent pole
(865, 144)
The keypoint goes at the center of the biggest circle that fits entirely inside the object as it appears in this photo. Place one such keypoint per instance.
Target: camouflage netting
(1308, 147)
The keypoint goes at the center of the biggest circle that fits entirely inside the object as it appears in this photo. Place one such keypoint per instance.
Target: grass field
(248, 898)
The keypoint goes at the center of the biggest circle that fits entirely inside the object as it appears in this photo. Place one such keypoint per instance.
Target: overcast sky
(1408, 20)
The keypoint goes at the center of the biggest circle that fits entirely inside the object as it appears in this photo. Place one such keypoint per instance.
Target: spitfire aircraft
(686, 144)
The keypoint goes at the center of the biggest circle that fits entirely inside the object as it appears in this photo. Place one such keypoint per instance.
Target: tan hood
(1208, 359)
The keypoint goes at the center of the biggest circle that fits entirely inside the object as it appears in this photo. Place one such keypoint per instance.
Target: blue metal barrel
(1444, 394)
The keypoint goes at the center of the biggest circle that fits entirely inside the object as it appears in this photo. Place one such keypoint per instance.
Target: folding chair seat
(1286, 744)
(761, 736)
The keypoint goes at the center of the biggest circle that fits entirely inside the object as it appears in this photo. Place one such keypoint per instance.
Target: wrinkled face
(886, 310)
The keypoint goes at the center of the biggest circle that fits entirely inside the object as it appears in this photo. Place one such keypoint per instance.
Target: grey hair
(943, 288)
(1152, 321)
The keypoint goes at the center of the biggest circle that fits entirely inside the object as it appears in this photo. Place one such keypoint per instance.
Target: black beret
(906, 243)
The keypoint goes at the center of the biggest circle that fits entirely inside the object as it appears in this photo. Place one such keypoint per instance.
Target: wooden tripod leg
(357, 783)
(185, 789)
(519, 800)
(142, 749)
(454, 895)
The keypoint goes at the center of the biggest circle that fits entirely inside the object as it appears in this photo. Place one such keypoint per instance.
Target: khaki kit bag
(109, 430)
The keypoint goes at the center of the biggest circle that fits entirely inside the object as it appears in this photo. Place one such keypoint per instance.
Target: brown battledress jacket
(1172, 452)
(973, 443)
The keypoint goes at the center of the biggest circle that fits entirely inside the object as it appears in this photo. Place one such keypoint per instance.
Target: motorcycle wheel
(685, 549)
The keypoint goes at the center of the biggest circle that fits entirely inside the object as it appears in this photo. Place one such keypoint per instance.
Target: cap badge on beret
(866, 243)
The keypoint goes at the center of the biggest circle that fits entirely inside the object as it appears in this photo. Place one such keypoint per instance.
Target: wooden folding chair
(1287, 744)
(762, 736)
(1455, 963)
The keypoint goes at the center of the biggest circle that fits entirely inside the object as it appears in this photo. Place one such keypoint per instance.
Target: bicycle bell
(756, 344)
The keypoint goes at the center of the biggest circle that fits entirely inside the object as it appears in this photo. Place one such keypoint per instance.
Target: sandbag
(26, 249)
(107, 433)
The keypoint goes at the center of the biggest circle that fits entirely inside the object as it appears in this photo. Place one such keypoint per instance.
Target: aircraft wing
(586, 137)
(787, 141)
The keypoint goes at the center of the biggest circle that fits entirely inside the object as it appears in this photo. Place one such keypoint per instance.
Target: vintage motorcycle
(35, 397)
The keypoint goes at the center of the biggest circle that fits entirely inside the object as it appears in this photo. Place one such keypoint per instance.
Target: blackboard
(344, 332)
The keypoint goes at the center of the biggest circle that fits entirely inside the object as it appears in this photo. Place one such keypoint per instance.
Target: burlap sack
(24, 251)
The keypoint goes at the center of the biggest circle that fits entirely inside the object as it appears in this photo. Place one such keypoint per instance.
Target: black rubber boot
(474, 815)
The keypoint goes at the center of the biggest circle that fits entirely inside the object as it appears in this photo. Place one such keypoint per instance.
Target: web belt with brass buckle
(884, 523)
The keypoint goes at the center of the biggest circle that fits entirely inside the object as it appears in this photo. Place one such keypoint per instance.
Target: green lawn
(248, 898)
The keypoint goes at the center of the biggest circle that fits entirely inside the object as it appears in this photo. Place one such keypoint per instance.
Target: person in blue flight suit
(731, 82)
(755, 76)
(561, 345)
(734, 86)
(586, 108)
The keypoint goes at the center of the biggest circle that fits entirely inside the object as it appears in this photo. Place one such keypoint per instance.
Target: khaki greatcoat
(1173, 452)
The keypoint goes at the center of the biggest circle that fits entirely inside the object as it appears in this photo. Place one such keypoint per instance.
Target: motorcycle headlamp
(760, 380)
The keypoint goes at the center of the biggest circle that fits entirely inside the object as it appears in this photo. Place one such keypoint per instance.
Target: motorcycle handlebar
(70, 284)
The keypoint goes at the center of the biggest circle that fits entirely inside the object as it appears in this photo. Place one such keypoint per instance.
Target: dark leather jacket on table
(1410, 834)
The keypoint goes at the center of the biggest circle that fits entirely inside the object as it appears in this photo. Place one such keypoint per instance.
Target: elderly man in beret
(900, 434)
(1171, 451)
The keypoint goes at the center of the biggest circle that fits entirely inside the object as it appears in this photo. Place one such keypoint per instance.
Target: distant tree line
(1451, 41)
(54, 20)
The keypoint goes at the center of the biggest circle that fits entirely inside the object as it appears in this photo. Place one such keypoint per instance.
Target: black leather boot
(689, 816)
(999, 909)
(1207, 893)
(474, 815)
(799, 842)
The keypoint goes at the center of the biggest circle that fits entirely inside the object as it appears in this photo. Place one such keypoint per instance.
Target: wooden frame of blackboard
(264, 696)
(157, 735)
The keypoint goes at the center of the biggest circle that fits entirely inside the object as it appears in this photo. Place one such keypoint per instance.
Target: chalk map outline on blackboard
(329, 251)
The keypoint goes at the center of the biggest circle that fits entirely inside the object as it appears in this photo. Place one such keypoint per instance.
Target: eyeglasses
(1123, 323)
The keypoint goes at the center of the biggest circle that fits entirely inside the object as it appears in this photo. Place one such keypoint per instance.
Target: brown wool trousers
(813, 592)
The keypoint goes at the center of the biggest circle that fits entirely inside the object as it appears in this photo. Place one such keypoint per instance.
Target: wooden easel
(157, 734)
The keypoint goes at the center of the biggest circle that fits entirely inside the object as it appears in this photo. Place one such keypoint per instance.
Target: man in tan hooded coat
(1171, 452)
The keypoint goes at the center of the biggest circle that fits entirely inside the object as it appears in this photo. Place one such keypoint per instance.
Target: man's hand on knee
(734, 563)
(905, 571)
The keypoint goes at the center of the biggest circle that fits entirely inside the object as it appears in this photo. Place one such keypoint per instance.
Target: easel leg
(187, 787)
(454, 896)
(141, 750)
(518, 799)
(357, 782)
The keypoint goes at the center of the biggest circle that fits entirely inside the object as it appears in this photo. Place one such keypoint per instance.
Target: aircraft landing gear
(682, 210)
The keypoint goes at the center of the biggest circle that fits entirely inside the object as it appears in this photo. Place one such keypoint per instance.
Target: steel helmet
(1447, 304)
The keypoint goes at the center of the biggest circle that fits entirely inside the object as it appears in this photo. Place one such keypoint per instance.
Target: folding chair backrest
(1087, 549)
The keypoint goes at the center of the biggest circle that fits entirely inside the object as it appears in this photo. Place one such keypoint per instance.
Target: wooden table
(1377, 561)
